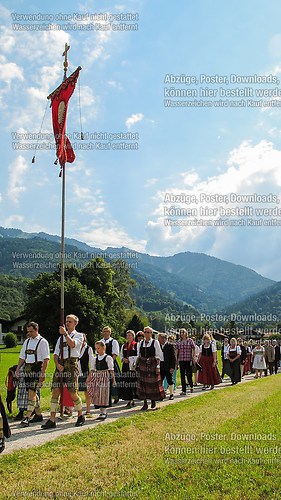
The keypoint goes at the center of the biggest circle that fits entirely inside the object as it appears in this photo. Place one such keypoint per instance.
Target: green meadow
(223, 445)
(8, 358)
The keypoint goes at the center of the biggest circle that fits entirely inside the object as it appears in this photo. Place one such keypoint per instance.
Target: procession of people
(147, 365)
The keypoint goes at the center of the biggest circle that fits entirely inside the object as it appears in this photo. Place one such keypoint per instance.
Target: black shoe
(171, 397)
(103, 416)
(36, 418)
(80, 421)
(2, 444)
(153, 405)
(144, 408)
(19, 416)
(49, 425)
(25, 422)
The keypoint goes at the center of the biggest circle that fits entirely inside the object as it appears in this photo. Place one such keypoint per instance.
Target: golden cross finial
(65, 63)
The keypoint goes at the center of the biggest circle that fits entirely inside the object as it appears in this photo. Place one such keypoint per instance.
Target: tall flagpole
(63, 169)
(65, 65)
(59, 103)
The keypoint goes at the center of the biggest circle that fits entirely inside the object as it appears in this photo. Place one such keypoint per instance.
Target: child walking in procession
(101, 379)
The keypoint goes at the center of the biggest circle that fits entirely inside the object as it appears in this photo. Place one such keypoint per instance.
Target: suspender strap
(34, 351)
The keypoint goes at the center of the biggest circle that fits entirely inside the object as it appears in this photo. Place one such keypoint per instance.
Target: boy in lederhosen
(66, 372)
(34, 355)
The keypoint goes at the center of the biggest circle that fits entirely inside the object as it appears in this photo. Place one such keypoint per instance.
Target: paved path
(23, 438)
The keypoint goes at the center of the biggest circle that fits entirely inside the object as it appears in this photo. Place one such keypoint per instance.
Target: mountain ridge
(206, 283)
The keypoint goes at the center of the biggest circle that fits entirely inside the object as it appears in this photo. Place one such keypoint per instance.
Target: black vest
(207, 351)
(147, 352)
(101, 364)
(108, 347)
(84, 361)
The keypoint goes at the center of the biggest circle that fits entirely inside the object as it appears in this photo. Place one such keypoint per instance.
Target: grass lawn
(224, 445)
(9, 357)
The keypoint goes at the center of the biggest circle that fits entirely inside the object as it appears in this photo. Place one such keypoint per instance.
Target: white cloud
(250, 169)
(7, 39)
(10, 71)
(17, 171)
(150, 182)
(94, 48)
(13, 220)
(100, 228)
(92, 203)
(32, 46)
(5, 13)
(86, 96)
(114, 84)
(274, 46)
(102, 236)
(190, 178)
(137, 117)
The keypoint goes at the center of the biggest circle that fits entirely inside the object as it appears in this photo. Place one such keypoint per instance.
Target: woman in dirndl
(101, 379)
(259, 363)
(149, 385)
(128, 379)
(233, 354)
(207, 359)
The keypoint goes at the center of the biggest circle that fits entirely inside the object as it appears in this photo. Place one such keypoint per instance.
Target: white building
(16, 326)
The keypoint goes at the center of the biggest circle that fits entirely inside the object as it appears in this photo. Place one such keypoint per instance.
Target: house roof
(11, 322)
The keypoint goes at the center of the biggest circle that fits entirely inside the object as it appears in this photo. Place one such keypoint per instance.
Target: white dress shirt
(43, 351)
(75, 351)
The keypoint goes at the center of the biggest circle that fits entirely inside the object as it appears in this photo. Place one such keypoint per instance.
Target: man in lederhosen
(34, 355)
(66, 370)
(112, 349)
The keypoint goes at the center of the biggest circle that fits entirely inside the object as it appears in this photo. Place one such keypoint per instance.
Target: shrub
(10, 340)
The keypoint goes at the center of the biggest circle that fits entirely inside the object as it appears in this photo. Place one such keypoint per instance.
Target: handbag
(132, 363)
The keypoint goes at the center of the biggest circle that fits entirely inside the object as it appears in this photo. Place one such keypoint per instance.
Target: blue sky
(114, 197)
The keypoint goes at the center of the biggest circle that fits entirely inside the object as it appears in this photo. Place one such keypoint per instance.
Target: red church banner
(59, 102)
